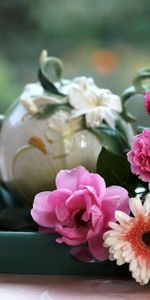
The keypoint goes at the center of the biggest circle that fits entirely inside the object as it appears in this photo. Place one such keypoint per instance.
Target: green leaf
(111, 139)
(121, 128)
(48, 85)
(140, 129)
(116, 171)
(49, 109)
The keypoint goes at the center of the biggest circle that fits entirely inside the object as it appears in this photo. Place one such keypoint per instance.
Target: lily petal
(95, 116)
(112, 101)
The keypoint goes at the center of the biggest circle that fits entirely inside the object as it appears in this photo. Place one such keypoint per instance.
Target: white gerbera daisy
(129, 241)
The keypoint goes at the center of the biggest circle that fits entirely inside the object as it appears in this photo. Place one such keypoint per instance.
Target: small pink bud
(147, 102)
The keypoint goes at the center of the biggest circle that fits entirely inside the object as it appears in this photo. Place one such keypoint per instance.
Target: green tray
(37, 253)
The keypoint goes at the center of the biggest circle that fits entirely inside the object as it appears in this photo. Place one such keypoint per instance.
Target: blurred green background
(108, 40)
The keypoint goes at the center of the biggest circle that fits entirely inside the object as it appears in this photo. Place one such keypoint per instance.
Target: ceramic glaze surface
(33, 150)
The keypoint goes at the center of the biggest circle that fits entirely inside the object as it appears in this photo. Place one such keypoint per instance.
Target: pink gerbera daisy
(129, 241)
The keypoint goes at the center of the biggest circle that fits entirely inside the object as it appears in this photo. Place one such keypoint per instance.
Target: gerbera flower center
(146, 238)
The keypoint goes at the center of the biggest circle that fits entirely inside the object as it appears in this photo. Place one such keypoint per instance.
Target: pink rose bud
(147, 101)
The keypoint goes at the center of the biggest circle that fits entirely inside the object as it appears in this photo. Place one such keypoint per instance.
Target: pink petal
(145, 176)
(98, 227)
(40, 210)
(95, 240)
(71, 233)
(38, 200)
(45, 203)
(70, 179)
(81, 199)
(95, 181)
(62, 212)
(116, 198)
(58, 197)
(96, 248)
(97, 218)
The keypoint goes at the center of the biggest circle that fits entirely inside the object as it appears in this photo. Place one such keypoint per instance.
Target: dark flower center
(146, 238)
(78, 218)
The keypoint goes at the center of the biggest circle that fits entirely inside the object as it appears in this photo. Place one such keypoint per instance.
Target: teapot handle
(141, 84)
(51, 64)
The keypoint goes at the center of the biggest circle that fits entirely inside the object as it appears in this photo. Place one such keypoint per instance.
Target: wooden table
(30, 287)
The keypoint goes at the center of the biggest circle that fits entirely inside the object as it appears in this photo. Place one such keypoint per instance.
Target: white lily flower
(96, 104)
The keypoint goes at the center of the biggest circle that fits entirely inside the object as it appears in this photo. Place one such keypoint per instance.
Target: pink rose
(80, 209)
(147, 101)
(139, 155)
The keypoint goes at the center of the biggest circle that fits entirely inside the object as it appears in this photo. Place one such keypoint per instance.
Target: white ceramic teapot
(57, 125)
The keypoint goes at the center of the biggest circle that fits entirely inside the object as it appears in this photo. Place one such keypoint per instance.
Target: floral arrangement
(103, 213)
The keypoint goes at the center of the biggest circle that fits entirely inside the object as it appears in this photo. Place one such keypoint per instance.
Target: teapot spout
(1, 120)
